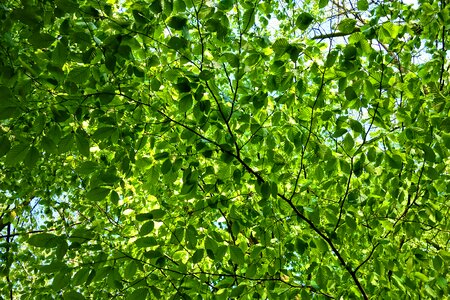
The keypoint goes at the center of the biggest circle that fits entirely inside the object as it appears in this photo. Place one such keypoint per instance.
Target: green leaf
(237, 255)
(349, 143)
(65, 143)
(68, 6)
(97, 194)
(421, 276)
(140, 293)
(350, 93)
(362, 5)
(145, 242)
(206, 75)
(110, 62)
(331, 58)
(60, 115)
(48, 145)
(185, 103)
(60, 281)
(347, 26)
(238, 291)
(44, 240)
(72, 295)
(300, 245)
(79, 74)
(6, 97)
(53, 267)
(5, 145)
(323, 3)
(304, 20)
(146, 228)
(429, 154)
(130, 270)
(265, 190)
(86, 167)
(445, 125)
(356, 126)
(198, 256)
(154, 214)
(31, 158)
(60, 54)
(82, 145)
(226, 5)
(350, 52)
(252, 59)
(280, 46)
(41, 40)
(177, 43)
(104, 132)
(80, 276)
(166, 166)
(248, 19)
(395, 161)
(251, 270)
(16, 154)
(158, 140)
(177, 22)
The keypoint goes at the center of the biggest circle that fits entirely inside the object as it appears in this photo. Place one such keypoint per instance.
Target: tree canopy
(190, 149)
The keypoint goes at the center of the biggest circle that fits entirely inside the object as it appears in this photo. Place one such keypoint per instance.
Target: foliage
(172, 149)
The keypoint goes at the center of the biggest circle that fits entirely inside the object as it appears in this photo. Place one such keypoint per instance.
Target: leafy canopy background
(224, 149)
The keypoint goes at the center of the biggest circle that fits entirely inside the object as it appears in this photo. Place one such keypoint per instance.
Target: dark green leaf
(177, 43)
(48, 145)
(67, 5)
(31, 158)
(304, 20)
(429, 154)
(82, 145)
(5, 145)
(44, 240)
(104, 132)
(146, 228)
(140, 293)
(16, 154)
(226, 5)
(72, 295)
(350, 93)
(185, 103)
(130, 270)
(60, 281)
(331, 58)
(197, 256)
(41, 40)
(265, 190)
(79, 74)
(59, 55)
(237, 255)
(97, 194)
(177, 22)
(146, 242)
